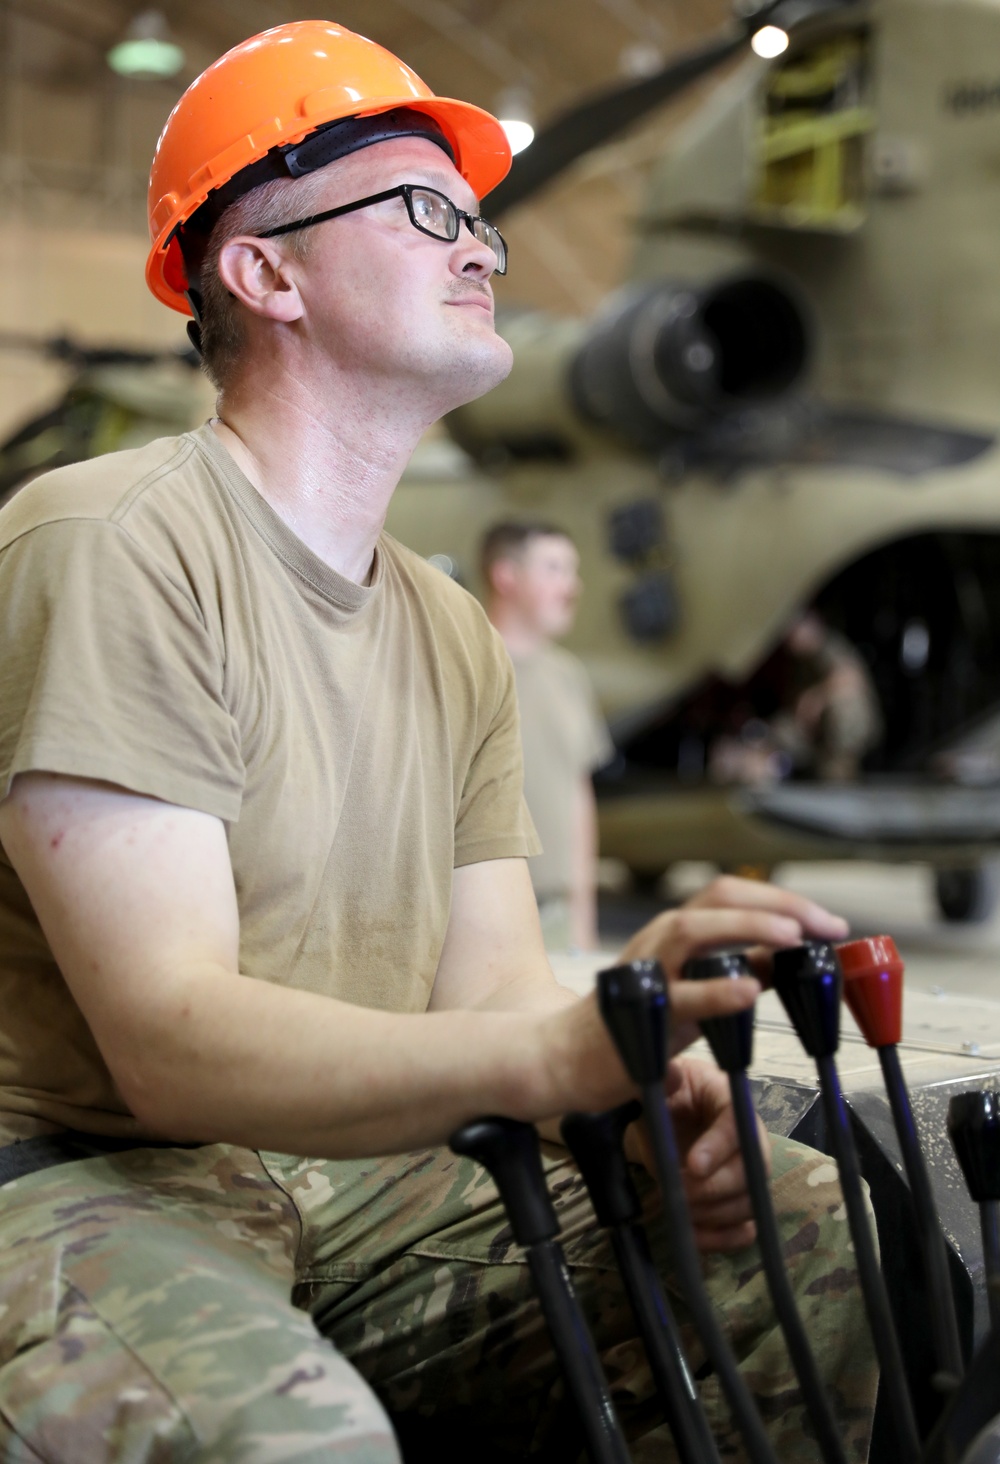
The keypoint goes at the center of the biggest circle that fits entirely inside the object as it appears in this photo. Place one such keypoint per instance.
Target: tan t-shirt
(164, 630)
(565, 738)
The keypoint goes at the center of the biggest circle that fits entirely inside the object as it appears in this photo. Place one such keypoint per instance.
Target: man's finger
(735, 1238)
(713, 1156)
(694, 930)
(722, 1216)
(730, 891)
(693, 1001)
(725, 1184)
(673, 937)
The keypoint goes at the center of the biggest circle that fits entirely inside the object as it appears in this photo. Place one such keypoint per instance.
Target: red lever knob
(873, 988)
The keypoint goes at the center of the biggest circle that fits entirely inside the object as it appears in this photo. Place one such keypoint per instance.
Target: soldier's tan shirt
(164, 630)
(565, 738)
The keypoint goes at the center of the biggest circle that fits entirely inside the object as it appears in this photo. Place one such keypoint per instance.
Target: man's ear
(503, 576)
(256, 272)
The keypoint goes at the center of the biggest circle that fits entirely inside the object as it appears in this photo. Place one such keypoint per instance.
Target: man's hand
(746, 913)
(713, 1176)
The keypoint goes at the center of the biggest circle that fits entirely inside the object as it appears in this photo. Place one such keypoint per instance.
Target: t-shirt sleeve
(493, 821)
(109, 670)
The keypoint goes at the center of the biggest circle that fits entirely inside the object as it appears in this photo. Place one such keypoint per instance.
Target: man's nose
(474, 257)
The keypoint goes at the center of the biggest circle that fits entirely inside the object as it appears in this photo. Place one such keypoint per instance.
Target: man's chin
(482, 370)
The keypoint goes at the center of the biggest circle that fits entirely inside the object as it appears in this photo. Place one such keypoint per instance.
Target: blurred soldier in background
(833, 718)
(828, 719)
(532, 574)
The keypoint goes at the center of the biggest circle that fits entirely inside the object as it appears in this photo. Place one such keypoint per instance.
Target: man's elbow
(159, 1085)
(156, 1103)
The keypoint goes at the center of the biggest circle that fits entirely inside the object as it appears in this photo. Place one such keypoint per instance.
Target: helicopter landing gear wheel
(967, 896)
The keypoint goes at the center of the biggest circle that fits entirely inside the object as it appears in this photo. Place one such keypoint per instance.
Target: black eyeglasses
(430, 211)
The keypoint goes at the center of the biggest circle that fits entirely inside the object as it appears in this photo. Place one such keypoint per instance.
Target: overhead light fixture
(517, 117)
(146, 51)
(769, 41)
(640, 59)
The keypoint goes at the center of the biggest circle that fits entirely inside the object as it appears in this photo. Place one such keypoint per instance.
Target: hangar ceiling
(75, 140)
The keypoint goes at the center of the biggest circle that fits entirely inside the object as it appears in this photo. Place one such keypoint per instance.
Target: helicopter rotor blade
(72, 353)
(604, 114)
(601, 117)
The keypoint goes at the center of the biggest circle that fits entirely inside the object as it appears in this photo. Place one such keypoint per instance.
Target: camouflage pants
(154, 1308)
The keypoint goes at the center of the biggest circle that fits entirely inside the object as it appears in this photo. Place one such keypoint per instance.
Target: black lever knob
(634, 1004)
(808, 979)
(510, 1152)
(596, 1141)
(730, 1038)
(974, 1130)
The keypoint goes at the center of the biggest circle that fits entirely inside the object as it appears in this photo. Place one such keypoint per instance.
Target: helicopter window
(650, 607)
(636, 530)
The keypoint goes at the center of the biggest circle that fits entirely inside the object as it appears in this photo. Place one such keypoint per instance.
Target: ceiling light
(146, 51)
(517, 117)
(769, 42)
(640, 59)
(519, 134)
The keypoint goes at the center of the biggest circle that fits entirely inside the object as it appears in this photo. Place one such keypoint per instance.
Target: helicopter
(117, 397)
(793, 402)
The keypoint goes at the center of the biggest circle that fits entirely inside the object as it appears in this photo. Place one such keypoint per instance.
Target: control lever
(596, 1141)
(974, 1130)
(510, 1152)
(873, 989)
(808, 980)
(634, 1004)
(731, 1041)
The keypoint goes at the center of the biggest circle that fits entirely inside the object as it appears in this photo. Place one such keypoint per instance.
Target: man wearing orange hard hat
(267, 935)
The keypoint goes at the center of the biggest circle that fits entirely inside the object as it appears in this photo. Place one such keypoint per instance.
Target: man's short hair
(509, 540)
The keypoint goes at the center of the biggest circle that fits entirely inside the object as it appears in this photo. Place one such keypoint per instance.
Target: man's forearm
(229, 1058)
(529, 992)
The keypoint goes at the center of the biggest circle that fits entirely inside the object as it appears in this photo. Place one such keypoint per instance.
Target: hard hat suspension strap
(328, 143)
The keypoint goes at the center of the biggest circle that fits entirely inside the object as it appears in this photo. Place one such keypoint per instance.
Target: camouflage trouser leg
(412, 1267)
(145, 1316)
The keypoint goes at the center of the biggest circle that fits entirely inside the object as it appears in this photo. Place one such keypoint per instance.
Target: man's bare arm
(136, 899)
(137, 902)
(494, 957)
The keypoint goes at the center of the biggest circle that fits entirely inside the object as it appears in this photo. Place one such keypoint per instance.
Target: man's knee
(80, 1396)
(200, 1362)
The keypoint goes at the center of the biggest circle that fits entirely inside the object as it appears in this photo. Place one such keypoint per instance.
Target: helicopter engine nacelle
(664, 359)
(668, 358)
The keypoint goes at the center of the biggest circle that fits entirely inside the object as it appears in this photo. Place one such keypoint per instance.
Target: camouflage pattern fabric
(155, 1308)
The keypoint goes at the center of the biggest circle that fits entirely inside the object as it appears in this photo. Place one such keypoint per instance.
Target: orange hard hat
(268, 94)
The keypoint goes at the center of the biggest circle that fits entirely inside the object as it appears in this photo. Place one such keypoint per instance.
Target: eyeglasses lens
(491, 237)
(437, 215)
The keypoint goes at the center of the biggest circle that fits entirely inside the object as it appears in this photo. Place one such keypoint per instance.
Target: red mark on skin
(57, 839)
